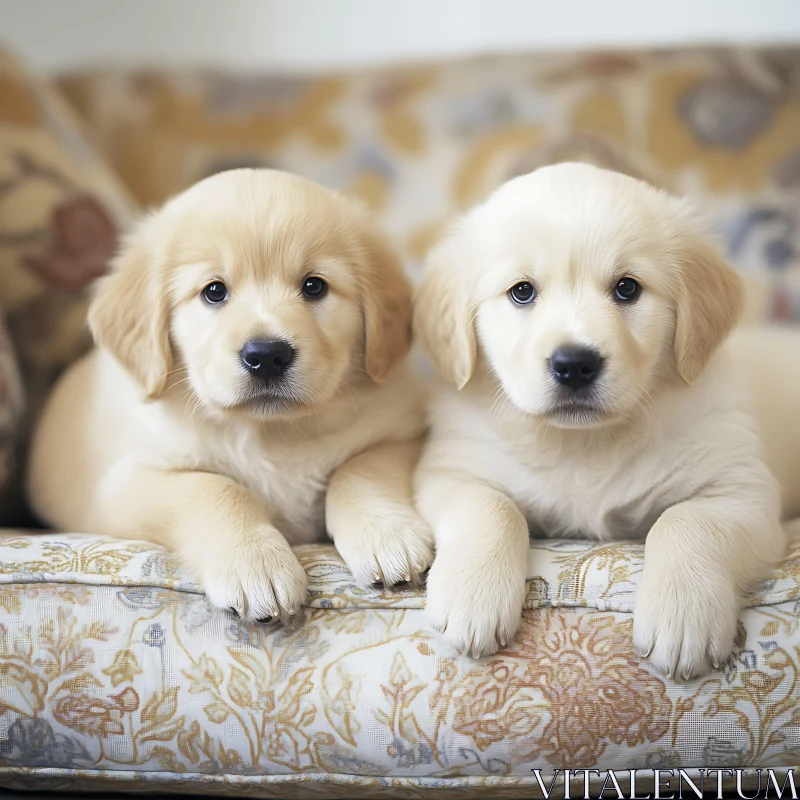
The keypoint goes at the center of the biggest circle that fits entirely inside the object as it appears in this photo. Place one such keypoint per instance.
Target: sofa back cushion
(421, 144)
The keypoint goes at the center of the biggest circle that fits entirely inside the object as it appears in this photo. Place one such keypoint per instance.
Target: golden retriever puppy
(249, 386)
(581, 313)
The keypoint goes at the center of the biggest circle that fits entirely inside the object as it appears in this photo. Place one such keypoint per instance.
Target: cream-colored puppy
(252, 355)
(580, 312)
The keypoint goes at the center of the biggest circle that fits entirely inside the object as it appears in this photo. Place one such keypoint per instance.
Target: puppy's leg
(476, 587)
(700, 557)
(371, 518)
(219, 529)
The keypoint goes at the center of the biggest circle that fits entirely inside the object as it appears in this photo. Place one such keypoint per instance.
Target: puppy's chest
(581, 494)
(290, 480)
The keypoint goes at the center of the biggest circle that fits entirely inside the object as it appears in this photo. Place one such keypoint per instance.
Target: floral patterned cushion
(418, 144)
(60, 211)
(114, 671)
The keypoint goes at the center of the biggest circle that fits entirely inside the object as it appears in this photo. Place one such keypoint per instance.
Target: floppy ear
(387, 307)
(444, 313)
(128, 315)
(710, 302)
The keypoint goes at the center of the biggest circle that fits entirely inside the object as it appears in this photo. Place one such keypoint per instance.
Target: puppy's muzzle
(575, 367)
(267, 359)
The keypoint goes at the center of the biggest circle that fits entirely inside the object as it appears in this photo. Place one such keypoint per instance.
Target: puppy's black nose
(575, 366)
(267, 359)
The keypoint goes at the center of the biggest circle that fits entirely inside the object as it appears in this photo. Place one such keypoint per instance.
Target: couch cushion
(419, 144)
(61, 209)
(114, 671)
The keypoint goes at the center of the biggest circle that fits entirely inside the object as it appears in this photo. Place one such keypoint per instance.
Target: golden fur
(161, 434)
(668, 448)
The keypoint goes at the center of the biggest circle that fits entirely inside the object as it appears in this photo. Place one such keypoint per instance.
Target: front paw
(476, 605)
(686, 627)
(396, 547)
(257, 576)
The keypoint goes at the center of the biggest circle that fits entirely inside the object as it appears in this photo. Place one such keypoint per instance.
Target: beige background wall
(320, 34)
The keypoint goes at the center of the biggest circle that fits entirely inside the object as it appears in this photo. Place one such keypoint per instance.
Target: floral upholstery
(115, 673)
(419, 144)
(113, 669)
(60, 211)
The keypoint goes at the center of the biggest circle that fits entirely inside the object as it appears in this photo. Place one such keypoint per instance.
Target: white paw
(258, 577)
(685, 626)
(396, 547)
(475, 605)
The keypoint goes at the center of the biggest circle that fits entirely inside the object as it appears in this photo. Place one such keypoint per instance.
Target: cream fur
(674, 452)
(151, 435)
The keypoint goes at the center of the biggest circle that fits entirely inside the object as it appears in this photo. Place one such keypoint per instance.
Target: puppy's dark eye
(215, 293)
(627, 289)
(522, 293)
(314, 288)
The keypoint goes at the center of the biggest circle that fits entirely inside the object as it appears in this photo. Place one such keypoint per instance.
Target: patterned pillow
(60, 213)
